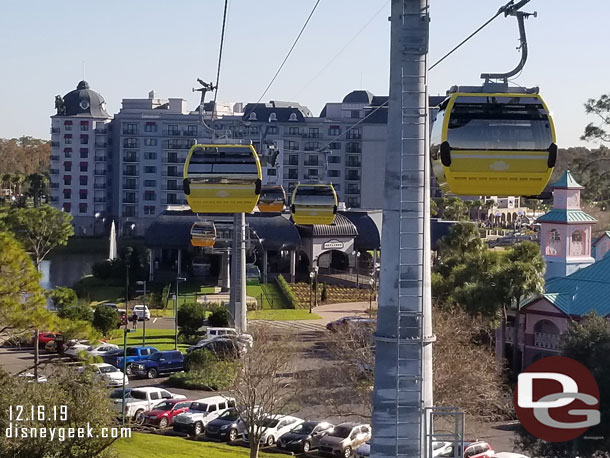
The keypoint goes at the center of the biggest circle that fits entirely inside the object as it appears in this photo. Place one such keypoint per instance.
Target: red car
(45, 337)
(163, 413)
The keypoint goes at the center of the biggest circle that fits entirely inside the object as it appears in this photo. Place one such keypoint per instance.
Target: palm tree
(38, 184)
(17, 180)
(478, 204)
(7, 183)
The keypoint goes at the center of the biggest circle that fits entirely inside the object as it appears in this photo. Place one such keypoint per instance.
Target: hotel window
(150, 169)
(150, 155)
(150, 183)
(67, 180)
(84, 153)
(150, 142)
(67, 206)
(68, 166)
(67, 125)
(68, 139)
(67, 194)
(83, 180)
(82, 194)
(150, 127)
(149, 210)
(149, 195)
(67, 153)
(84, 125)
(84, 139)
(82, 208)
(84, 166)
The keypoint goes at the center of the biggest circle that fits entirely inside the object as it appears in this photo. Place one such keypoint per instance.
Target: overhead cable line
(287, 55)
(343, 49)
(222, 38)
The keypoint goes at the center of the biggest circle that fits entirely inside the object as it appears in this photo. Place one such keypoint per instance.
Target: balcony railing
(130, 172)
(100, 173)
(101, 144)
(353, 177)
(313, 163)
(99, 186)
(353, 136)
(99, 200)
(353, 163)
(100, 158)
(129, 200)
(54, 130)
(544, 340)
(130, 131)
(130, 186)
(132, 158)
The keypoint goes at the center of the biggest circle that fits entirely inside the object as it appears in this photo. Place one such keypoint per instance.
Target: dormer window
(293, 117)
(272, 117)
(252, 117)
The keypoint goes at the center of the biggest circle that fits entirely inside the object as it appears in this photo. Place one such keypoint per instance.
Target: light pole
(143, 282)
(128, 252)
(315, 285)
(357, 256)
(125, 332)
(372, 285)
(311, 276)
(178, 280)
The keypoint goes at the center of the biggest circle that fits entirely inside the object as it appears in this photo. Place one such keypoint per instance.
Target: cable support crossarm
(285, 58)
(502, 10)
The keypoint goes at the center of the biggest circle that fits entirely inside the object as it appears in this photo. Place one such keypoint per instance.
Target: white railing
(544, 340)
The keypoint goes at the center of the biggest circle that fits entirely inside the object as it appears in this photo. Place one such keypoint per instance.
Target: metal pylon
(403, 357)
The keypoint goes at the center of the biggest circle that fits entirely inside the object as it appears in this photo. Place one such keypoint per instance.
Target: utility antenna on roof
(84, 70)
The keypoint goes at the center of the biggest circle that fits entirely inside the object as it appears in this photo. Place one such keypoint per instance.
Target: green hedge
(293, 302)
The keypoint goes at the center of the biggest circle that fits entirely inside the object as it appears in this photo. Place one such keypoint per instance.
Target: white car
(200, 413)
(139, 400)
(110, 374)
(141, 311)
(74, 347)
(274, 427)
(101, 349)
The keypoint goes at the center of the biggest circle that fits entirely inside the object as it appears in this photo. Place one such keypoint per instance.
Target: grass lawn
(156, 446)
(161, 339)
(282, 315)
(99, 291)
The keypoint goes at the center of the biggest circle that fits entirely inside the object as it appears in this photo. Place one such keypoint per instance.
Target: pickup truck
(140, 400)
(162, 361)
(134, 354)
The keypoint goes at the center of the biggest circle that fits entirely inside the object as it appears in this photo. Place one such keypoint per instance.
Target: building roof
(586, 290)
(358, 97)
(368, 237)
(172, 229)
(560, 215)
(84, 102)
(342, 227)
(283, 111)
(566, 181)
(605, 234)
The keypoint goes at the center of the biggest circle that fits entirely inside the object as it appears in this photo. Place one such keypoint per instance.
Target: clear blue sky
(131, 47)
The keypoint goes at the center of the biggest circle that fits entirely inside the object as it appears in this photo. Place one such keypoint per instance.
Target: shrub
(191, 317)
(219, 317)
(62, 297)
(77, 312)
(105, 319)
(109, 269)
(199, 360)
(218, 376)
(287, 291)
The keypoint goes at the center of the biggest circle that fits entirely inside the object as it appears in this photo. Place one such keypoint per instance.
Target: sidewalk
(332, 312)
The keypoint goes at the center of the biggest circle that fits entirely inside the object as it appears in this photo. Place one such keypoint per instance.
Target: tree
(456, 209)
(462, 238)
(80, 311)
(261, 388)
(191, 317)
(588, 342)
(86, 405)
(38, 184)
(62, 297)
(522, 276)
(40, 229)
(105, 319)
(21, 297)
(219, 317)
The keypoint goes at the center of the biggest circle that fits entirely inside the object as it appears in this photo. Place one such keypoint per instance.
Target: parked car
(227, 427)
(274, 427)
(243, 342)
(110, 374)
(225, 348)
(158, 363)
(134, 355)
(344, 439)
(141, 311)
(139, 400)
(364, 451)
(56, 345)
(44, 338)
(74, 347)
(111, 305)
(201, 413)
(101, 349)
(304, 437)
(472, 449)
(347, 321)
(163, 413)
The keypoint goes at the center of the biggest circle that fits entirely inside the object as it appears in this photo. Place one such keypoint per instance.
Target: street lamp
(311, 276)
(178, 280)
(315, 283)
(125, 332)
(372, 285)
(140, 283)
(128, 252)
(357, 255)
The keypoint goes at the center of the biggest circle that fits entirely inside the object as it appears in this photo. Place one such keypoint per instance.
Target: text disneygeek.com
(61, 433)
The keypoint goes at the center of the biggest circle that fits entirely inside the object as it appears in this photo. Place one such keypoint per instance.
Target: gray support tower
(237, 291)
(403, 357)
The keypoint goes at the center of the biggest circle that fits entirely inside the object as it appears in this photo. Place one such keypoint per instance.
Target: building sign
(332, 245)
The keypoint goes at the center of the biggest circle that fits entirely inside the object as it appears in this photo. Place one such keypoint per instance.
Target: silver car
(344, 439)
